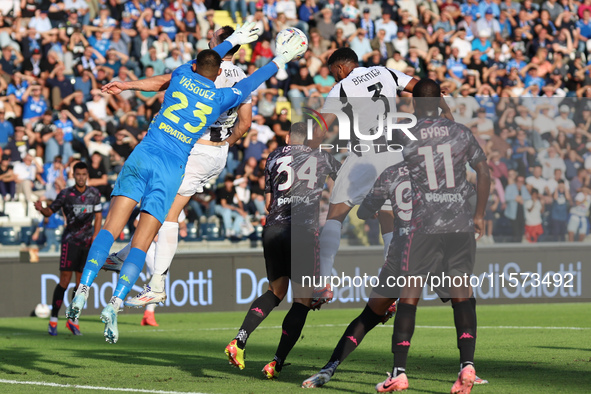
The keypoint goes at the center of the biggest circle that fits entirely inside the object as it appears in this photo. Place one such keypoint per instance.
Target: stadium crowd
(517, 74)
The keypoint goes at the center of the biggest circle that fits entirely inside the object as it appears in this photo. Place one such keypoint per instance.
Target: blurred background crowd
(517, 74)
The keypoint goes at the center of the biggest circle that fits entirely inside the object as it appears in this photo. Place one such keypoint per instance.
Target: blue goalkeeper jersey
(191, 104)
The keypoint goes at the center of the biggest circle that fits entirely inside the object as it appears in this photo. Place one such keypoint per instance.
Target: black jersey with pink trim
(393, 184)
(295, 176)
(437, 166)
(79, 209)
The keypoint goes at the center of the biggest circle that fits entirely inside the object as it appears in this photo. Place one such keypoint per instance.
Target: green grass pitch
(519, 350)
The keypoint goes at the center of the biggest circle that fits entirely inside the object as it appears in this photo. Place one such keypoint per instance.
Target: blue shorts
(152, 177)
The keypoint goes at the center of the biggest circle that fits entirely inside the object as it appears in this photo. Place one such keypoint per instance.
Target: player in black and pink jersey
(82, 209)
(394, 185)
(442, 237)
(295, 176)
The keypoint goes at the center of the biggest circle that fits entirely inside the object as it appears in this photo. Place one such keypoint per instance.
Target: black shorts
(73, 257)
(387, 287)
(290, 251)
(452, 254)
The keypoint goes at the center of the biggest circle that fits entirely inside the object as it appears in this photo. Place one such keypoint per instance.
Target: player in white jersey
(363, 94)
(207, 160)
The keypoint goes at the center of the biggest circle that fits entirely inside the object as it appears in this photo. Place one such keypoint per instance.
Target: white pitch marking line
(76, 386)
(340, 325)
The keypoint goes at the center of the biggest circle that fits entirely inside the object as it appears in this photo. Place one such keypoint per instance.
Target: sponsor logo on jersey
(82, 208)
(175, 133)
(444, 197)
(293, 200)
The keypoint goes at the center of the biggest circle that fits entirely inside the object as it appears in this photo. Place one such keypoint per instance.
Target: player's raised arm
(152, 84)
(242, 89)
(245, 34)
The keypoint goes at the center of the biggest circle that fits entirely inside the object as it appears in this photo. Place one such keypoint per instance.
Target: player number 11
(445, 150)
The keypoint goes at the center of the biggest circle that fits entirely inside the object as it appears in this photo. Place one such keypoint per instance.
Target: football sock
(329, 241)
(96, 256)
(293, 323)
(150, 259)
(465, 321)
(130, 272)
(404, 327)
(260, 308)
(157, 283)
(58, 299)
(387, 238)
(354, 334)
(150, 307)
(116, 302)
(168, 240)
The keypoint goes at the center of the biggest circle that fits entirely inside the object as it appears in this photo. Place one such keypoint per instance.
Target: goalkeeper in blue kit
(153, 172)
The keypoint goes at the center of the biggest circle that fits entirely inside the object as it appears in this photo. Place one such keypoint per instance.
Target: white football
(42, 311)
(285, 34)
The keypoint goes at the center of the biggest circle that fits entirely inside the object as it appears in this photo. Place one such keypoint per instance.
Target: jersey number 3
(200, 113)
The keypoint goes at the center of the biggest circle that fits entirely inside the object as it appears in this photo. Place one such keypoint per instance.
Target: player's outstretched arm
(245, 34)
(243, 124)
(153, 84)
(482, 192)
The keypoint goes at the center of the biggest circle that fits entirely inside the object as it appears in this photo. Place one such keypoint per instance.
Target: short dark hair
(428, 92)
(80, 166)
(227, 31)
(343, 55)
(426, 88)
(298, 130)
(208, 62)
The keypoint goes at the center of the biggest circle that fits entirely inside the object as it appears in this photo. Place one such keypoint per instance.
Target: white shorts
(577, 224)
(205, 163)
(358, 175)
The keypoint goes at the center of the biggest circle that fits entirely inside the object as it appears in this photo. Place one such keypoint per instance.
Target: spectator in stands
(35, 104)
(6, 130)
(533, 217)
(55, 144)
(7, 179)
(233, 214)
(252, 146)
(578, 223)
(302, 86)
(27, 172)
(561, 200)
(19, 145)
(516, 195)
(97, 175)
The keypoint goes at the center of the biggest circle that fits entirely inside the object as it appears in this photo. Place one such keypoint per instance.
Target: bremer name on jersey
(437, 167)
(295, 176)
(221, 129)
(364, 96)
(79, 209)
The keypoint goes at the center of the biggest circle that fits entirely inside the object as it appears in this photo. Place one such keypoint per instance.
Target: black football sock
(293, 323)
(58, 299)
(260, 308)
(404, 328)
(354, 334)
(465, 321)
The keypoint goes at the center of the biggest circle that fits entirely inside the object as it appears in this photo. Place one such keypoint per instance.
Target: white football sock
(387, 238)
(168, 239)
(151, 258)
(157, 283)
(329, 242)
(150, 307)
